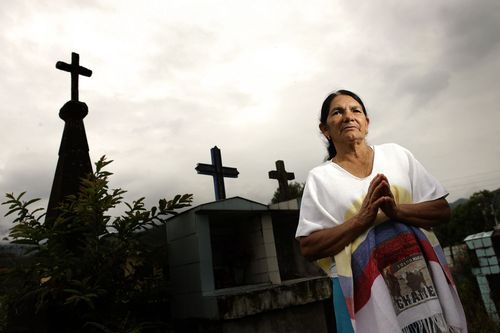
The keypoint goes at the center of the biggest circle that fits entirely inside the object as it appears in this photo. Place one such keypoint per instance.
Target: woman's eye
(335, 112)
(357, 110)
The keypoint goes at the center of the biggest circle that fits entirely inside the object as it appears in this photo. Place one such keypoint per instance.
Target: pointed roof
(74, 160)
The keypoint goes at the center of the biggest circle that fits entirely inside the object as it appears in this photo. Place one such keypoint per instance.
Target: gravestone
(218, 172)
(74, 160)
(283, 177)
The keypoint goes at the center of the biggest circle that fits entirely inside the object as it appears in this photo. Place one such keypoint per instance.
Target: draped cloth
(394, 278)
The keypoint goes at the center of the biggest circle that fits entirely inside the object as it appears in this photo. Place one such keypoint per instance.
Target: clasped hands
(379, 196)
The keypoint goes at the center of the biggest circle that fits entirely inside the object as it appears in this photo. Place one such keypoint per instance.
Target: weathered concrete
(240, 302)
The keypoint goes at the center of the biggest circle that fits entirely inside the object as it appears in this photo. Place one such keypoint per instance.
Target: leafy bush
(87, 271)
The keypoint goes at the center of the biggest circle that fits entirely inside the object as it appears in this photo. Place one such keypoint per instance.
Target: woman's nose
(348, 116)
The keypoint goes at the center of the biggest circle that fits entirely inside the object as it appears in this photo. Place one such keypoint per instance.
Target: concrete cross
(218, 172)
(75, 69)
(283, 177)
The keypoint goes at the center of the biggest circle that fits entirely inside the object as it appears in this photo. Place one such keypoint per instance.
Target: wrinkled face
(346, 121)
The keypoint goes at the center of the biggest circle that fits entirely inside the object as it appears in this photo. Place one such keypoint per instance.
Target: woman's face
(346, 121)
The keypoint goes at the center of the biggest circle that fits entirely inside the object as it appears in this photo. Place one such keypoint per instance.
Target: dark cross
(217, 171)
(283, 177)
(75, 69)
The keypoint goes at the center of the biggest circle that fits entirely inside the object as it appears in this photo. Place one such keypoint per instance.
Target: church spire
(74, 160)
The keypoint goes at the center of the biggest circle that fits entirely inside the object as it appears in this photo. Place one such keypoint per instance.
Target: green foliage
(91, 271)
(475, 215)
(295, 190)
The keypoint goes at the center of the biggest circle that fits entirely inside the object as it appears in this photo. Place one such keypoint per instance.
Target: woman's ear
(324, 129)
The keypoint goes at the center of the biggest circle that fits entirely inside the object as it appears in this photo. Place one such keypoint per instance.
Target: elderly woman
(367, 215)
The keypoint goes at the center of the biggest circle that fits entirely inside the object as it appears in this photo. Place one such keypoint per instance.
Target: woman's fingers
(379, 195)
(388, 204)
(389, 207)
(373, 186)
(382, 189)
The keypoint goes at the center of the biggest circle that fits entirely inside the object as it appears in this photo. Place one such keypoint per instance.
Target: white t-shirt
(332, 195)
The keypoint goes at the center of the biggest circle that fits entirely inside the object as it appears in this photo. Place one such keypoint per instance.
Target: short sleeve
(313, 214)
(424, 186)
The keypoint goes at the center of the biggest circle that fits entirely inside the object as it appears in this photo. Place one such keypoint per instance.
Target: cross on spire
(218, 172)
(283, 177)
(75, 69)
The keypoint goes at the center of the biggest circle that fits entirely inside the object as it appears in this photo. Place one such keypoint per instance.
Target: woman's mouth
(349, 127)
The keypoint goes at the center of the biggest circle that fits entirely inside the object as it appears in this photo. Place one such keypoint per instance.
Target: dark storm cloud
(471, 33)
(418, 47)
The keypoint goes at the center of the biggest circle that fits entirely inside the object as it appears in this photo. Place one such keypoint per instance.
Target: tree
(295, 190)
(476, 215)
(87, 271)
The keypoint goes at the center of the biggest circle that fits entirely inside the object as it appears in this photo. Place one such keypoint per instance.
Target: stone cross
(75, 69)
(283, 177)
(218, 172)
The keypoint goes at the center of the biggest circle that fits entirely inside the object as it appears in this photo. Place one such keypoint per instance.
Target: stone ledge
(245, 302)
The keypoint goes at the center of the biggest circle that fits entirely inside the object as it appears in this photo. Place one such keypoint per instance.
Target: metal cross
(283, 177)
(218, 172)
(75, 69)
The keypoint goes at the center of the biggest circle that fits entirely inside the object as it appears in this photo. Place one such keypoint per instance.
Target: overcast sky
(171, 79)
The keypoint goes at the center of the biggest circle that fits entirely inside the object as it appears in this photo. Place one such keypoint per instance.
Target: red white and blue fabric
(399, 282)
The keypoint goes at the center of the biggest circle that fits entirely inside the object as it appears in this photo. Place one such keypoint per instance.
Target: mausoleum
(235, 260)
